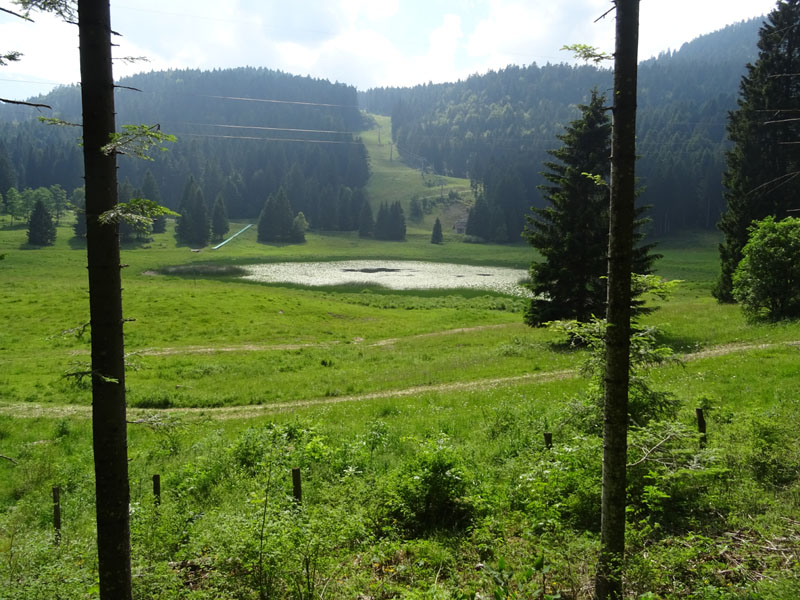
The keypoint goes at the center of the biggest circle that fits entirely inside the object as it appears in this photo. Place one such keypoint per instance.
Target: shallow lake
(396, 275)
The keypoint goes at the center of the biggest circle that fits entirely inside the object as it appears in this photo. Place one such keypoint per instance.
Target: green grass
(359, 390)
(395, 181)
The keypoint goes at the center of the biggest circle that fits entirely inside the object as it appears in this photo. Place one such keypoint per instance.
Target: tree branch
(605, 14)
(8, 458)
(651, 450)
(11, 12)
(22, 103)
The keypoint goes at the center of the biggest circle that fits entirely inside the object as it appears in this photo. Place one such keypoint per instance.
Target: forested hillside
(497, 128)
(243, 133)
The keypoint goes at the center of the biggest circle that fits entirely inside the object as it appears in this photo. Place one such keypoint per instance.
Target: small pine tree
(572, 233)
(41, 229)
(479, 219)
(382, 227)
(397, 222)
(219, 219)
(366, 225)
(436, 236)
(275, 224)
(194, 226)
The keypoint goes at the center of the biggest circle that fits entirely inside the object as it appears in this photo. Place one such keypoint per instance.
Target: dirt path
(32, 410)
(266, 347)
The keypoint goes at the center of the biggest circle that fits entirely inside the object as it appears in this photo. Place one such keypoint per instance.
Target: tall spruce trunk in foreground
(608, 583)
(109, 428)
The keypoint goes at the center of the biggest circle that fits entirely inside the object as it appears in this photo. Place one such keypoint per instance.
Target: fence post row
(701, 427)
(297, 490)
(57, 513)
(157, 489)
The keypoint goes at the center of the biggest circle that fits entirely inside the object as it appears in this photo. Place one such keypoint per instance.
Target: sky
(365, 43)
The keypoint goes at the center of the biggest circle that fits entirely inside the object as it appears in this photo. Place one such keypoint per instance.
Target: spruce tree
(436, 235)
(397, 222)
(571, 233)
(762, 167)
(366, 225)
(194, 225)
(219, 219)
(382, 227)
(275, 224)
(41, 229)
(479, 219)
(266, 222)
(284, 217)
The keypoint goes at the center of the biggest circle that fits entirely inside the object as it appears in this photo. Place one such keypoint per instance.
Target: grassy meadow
(416, 420)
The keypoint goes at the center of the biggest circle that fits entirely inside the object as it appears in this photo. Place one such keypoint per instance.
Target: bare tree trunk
(109, 427)
(608, 583)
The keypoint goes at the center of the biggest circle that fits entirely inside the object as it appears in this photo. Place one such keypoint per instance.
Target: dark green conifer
(762, 167)
(193, 226)
(366, 224)
(572, 233)
(219, 219)
(436, 235)
(382, 227)
(275, 222)
(41, 229)
(397, 220)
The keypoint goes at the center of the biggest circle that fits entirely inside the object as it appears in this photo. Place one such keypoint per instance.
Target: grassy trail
(37, 410)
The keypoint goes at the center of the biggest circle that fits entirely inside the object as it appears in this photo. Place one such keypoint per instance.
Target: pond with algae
(396, 275)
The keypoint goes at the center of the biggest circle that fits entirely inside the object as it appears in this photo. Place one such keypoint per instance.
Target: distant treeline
(243, 133)
(496, 128)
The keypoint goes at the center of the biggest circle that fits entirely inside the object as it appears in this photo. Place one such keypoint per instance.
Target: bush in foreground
(767, 280)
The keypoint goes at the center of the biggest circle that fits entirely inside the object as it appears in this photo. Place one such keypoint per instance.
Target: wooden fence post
(701, 427)
(297, 489)
(157, 489)
(57, 513)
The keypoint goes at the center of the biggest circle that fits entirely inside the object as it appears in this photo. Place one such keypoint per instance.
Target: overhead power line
(267, 139)
(279, 101)
(270, 128)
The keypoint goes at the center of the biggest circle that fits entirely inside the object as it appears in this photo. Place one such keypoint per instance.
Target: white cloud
(361, 42)
(53, 61)
(523, 32)
(662, 29)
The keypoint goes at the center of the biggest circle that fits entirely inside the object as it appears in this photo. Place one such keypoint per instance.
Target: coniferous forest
(497, 129)
(221, 119)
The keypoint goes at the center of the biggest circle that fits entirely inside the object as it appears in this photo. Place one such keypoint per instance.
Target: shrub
(431, 492)
(767, 280)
